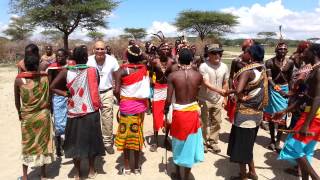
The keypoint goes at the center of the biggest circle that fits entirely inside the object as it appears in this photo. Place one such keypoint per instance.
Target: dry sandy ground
(215, 166)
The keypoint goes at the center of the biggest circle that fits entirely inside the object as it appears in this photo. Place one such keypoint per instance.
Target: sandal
(153, 148)
(125, 171)
(137, 171)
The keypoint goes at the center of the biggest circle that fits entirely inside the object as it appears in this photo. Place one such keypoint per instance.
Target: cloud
(167, 29)
(257, 18)
(80, 33)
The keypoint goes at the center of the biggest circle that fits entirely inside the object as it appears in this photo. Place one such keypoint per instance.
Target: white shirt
(215, 74)
(105, 71)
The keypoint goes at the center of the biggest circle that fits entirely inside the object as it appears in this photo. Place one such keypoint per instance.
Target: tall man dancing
(279, 71)
(161, 67)
(187, 142)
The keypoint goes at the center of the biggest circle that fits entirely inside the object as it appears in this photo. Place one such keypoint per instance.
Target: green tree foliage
(137, 33)
(204, 23)
(19, 28)
(52, 35)
(267, 36)
(65, 15)
(94, 35)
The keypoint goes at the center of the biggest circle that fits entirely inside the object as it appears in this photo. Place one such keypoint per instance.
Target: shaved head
(100, 50)
(99, 44)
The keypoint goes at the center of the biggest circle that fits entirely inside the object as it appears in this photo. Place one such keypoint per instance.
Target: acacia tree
(94, 35)
(205, 22)
(137, 33)
(65, 15)
(52, 35)
(266, 35)
(19, 28)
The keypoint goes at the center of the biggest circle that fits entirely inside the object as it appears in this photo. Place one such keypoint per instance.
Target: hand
(283, 94)
(304, 130)
(19, 114)
(223, 92)
(278, 115)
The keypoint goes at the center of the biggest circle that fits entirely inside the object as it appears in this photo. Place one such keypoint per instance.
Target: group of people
(186, 94)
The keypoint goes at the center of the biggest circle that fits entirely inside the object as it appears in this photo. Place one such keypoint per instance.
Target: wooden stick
(291, 131)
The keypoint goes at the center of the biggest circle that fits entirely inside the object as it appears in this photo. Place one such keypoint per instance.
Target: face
(165, 51)
(132, 42)
(49, 50)
(61, 57)
(193, 49)
(177, 43)
(108, 50)
(307, 56)
(246, 57)
(282, 50)
(214, 57)
(99, 50)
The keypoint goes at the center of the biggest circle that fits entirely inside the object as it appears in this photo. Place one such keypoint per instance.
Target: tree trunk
(201, 37)
(65, 41)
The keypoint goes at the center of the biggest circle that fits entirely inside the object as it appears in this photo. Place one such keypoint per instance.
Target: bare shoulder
(269, 63)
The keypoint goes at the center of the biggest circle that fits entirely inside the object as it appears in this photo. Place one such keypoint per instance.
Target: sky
(299, 18)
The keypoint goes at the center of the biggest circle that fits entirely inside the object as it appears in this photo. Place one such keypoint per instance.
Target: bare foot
(76, 177)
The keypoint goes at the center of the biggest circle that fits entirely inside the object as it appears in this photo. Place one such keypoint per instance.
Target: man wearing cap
(106, 65)
(279, 72)
(215, 77)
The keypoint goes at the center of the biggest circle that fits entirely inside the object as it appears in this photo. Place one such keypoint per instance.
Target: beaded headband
(132, 53)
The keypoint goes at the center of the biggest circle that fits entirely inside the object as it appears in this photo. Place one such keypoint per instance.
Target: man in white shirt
(106, 65)
(215, 77)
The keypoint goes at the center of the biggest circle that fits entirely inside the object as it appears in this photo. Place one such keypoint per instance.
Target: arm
(117, 84)
(279, 115)
(225, 87)
(213, 88)
(17, 97)
(57, 84)
(232, 69)
(243, 80)
(169, 94)
(314, 105)
(270, 80)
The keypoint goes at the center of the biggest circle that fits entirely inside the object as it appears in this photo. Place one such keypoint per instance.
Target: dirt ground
(215, 166)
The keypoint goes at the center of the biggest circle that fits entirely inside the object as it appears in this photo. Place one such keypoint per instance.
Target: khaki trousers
(107, 117)
(211, 121)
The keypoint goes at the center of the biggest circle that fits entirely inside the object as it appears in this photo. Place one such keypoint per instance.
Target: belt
(104, 91)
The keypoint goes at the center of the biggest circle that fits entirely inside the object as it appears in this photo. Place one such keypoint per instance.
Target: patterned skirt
(130, 132)
(37, 138)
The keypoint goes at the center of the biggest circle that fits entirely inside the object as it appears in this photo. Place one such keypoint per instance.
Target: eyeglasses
(101, 49)
(282, 49)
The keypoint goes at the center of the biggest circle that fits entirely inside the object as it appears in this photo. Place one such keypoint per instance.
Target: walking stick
(291, 131)
(166, 144)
